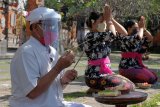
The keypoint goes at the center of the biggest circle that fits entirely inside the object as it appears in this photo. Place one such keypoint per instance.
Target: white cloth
(73, 104)
(42, 13)
(31, 61)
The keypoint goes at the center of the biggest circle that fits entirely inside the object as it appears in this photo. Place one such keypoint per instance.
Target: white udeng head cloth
(42, 13)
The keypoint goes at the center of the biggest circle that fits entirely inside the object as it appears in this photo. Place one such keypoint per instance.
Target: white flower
(92, 21)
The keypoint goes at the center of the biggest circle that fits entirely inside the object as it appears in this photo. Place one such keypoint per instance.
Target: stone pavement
(9, 54)
(78, 88)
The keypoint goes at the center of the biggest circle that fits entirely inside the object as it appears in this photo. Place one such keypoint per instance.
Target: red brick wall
(1, 15)
(10, 13)
(7, 16)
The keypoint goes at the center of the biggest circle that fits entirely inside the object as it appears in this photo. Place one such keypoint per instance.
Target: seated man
(37, 75)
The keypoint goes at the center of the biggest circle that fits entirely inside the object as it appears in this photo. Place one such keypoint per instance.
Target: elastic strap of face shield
(42, 41)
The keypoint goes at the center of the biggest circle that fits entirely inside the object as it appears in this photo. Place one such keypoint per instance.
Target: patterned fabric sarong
(134, 55)
(118, 81)
(139, 75)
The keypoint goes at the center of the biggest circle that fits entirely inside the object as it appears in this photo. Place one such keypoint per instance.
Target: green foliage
(73, 95)
(53, 4)
(155, 6)
(74, 6)
(122, 9)
(153, 102)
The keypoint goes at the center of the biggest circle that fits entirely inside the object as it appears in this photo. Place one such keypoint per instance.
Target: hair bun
(94, 15)
(129, 24)
(92, 18)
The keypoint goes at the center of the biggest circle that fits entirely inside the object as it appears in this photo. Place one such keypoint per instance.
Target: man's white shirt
(31, 62)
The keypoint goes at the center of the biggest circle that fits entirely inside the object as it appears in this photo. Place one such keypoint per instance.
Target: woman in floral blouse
(132, 47)
(98, 74)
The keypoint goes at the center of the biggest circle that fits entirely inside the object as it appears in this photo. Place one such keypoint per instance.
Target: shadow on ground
(78, 83)
(80, 79)
(74, 95)
(4, 98)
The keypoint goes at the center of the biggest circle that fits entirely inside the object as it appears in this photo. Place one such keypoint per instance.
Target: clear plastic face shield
(51, 30)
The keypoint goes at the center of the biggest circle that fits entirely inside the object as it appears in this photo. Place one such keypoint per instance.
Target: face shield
(51, 29)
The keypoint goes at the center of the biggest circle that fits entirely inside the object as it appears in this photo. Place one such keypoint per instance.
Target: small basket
(109, 93)
(143, 86)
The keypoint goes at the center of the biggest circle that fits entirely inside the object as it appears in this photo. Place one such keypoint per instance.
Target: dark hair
(158, 27)
(93, 16)
(31, 27)
(129, 24)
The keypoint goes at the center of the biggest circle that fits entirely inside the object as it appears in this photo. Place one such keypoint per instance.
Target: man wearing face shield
(37, 74)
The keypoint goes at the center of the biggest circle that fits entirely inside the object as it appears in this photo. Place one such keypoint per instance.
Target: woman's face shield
(51, 28)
